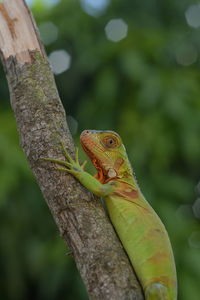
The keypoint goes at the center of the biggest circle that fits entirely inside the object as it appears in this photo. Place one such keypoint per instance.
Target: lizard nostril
(85, 133)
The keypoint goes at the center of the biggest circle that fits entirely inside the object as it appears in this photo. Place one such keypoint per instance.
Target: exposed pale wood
(17, 34)
(41, 123)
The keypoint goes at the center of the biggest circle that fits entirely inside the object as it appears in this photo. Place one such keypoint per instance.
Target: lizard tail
(156, 291)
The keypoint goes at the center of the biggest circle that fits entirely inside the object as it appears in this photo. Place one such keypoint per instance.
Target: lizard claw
(57, 161)
(67, 155)
(76, 155)
(84, 164)
(69, 165)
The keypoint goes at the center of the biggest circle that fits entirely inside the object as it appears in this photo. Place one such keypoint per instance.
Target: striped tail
(157, 291)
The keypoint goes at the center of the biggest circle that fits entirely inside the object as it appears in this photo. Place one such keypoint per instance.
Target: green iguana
(139, 228)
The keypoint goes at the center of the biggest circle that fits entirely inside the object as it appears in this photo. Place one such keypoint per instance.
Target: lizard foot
(69, 165)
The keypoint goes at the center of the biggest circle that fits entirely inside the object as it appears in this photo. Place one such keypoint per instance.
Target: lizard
(139, 228)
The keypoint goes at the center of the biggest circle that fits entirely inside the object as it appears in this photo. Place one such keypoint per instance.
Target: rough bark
(41, 123)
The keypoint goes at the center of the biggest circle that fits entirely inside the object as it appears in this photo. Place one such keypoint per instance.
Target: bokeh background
(127, 65)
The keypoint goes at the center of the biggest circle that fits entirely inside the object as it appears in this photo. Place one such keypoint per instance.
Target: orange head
(108, 155)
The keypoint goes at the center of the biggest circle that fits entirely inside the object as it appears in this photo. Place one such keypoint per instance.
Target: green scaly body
(146, 243)
(140, 230)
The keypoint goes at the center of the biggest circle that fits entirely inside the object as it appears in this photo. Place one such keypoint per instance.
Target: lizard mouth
(101, 176)
(91, 155)
(87, 151)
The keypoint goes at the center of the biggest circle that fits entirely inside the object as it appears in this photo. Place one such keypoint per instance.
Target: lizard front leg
(77, 170)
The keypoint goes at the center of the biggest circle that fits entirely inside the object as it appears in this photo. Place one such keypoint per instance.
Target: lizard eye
(110, 141)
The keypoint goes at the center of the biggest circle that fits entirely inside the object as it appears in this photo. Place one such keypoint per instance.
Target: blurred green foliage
(142, 87)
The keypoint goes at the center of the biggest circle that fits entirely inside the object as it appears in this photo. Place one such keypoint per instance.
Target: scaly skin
(139, 228)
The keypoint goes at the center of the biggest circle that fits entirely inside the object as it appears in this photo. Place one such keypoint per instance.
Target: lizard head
(107, 153)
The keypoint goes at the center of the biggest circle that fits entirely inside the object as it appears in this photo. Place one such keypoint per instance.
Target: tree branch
(41, 123)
